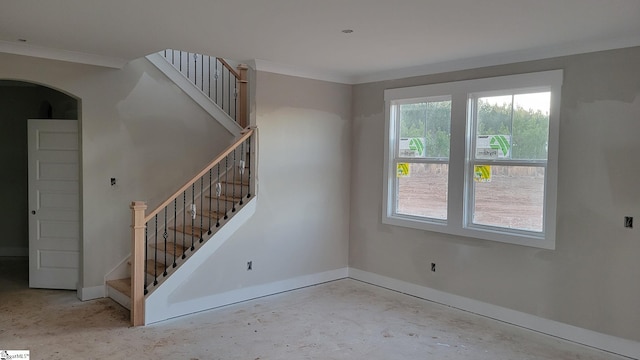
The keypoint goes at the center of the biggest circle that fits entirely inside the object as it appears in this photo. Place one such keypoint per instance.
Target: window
(476, 158)
(421, 156)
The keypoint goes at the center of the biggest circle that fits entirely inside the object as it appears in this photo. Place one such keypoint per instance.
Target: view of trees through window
(524, 118)
(519, 122)
(429, 120)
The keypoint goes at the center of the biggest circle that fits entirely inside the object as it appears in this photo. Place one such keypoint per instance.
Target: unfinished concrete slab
(344, 319)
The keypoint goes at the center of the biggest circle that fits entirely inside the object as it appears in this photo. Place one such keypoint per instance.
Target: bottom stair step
(120, 291)
(122, 285)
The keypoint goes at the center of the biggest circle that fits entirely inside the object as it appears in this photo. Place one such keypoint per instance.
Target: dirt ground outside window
(513, 199)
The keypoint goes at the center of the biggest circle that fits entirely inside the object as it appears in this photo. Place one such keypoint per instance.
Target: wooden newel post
(243, 97)
(137, 262)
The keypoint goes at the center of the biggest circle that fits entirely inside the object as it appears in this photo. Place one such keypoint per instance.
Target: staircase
(211, 82)
(214, 77)
(164, 239)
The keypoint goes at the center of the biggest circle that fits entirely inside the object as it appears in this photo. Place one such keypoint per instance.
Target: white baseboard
(90, 293)
(612, 344)
(243, 294)
(14, 251)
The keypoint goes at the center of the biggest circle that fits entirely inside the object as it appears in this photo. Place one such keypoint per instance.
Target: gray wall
(137, 127)
(301, 223)
(591, 279)
(18, 102)
(320, 185)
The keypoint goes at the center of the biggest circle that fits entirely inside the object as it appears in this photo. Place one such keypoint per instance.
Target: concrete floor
(344, 319)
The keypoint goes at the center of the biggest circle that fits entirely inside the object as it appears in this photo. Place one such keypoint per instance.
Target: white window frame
(458, 222)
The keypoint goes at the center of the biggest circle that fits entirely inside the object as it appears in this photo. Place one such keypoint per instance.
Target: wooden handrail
(213, 163)
(231, 70)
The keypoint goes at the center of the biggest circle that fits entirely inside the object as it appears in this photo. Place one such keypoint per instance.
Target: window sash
(472, 122)
(396, 120)
(470, 200)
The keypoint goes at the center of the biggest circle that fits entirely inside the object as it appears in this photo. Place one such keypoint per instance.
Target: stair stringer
(196, 94)
(157, 306)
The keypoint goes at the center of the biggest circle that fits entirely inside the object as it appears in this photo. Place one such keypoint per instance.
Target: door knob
(33, 212)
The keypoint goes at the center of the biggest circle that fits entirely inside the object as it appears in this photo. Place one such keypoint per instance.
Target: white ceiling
(303, 37)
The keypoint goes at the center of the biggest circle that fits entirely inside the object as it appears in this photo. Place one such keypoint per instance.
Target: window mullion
(470, 159)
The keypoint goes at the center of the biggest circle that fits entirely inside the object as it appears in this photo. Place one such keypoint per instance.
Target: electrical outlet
(628, 221)
(433, 267)
(249, 265)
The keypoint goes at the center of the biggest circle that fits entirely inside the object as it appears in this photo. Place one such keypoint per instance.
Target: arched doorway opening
(19, 102)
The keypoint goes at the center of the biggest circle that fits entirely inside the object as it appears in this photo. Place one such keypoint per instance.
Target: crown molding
(62, 55)
(300, 71)
(500, 59)
(285, 69)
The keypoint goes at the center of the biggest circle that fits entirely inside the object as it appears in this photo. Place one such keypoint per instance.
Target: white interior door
(54, 203)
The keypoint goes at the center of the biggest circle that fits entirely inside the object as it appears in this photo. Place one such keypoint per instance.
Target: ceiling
(304, 37)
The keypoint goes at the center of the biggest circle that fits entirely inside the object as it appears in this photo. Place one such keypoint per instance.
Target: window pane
(412, 120)
(425, 129)
(493, 129)
(510, 197)
(531, 126)
(438, 129)
(513, 126)
(423, 190)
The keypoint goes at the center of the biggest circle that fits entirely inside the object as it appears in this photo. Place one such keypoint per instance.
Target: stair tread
(226, 198)
(159, 267)
(236, 182)
(211, 213)
(190, 230)
(178, 249)
(122, 285)
(150, 263)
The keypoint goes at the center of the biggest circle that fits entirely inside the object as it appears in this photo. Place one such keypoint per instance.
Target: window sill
(522, 238)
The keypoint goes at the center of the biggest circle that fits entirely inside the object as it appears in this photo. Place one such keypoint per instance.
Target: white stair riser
(119, 297)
